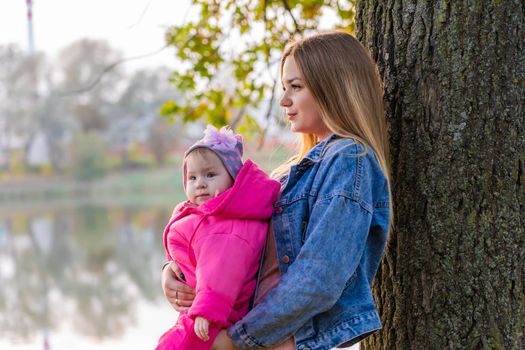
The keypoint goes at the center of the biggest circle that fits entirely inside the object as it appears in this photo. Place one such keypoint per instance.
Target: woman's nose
(285, 101)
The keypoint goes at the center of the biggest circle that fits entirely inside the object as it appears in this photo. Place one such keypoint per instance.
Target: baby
(217, 236)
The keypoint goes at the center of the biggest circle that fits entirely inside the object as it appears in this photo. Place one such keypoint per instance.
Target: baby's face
(206, 176)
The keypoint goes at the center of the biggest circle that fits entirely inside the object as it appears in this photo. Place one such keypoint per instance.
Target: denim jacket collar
(317, 152)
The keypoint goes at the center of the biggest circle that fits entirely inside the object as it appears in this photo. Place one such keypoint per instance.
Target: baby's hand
(201, 328)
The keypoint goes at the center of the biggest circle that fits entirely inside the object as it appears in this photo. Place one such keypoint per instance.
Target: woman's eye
(296, 87)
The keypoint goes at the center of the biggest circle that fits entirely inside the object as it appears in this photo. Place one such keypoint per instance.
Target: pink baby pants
(182, 336)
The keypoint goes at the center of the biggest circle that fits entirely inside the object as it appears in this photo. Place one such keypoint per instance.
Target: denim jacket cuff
(241, 338)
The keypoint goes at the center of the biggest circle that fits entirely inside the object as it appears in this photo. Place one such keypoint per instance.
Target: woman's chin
(295, 128)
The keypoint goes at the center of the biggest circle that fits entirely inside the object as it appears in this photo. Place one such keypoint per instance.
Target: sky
(134, 26)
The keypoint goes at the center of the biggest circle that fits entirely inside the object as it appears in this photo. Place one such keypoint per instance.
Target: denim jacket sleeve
(337, 231)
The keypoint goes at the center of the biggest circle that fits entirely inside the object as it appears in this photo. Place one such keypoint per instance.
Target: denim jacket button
(286, 259)
(279, 210)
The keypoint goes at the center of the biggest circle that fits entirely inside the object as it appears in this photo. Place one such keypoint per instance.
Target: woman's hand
(223, 342)
(179, 295)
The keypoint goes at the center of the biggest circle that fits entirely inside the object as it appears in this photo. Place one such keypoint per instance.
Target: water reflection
(86, 268)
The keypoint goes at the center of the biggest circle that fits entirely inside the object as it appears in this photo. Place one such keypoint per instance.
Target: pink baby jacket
(218, 245)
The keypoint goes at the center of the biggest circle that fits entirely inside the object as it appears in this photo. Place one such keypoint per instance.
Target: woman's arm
(179, 295)
(223, 342)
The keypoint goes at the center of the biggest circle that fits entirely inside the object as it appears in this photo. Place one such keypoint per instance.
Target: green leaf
(170, 107)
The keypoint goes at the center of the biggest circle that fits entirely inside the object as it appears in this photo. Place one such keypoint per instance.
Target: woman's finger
(183, 302)
(181, 298)
(176, 270)
(178, 290)
(179, 308)
(178, 304)
(173, 278)
(171, 282)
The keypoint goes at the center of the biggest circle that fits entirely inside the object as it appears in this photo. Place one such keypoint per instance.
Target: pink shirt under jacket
(218, 245)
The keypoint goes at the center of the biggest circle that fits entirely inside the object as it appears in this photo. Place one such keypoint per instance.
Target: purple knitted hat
(225, 144)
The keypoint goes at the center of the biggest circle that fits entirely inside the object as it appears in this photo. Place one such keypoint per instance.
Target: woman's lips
(291, 115)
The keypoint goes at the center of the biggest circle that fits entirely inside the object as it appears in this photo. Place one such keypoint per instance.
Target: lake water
(82, 276)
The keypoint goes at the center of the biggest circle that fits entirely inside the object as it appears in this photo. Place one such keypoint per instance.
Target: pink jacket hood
(251, 196)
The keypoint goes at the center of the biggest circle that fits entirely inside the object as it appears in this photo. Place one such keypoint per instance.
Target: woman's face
(301, 109)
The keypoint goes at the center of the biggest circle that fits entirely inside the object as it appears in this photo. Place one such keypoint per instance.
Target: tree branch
(107, 69)
(237, 117)
(95, 81)
(287, 7)
(141, 15)
(268, 114)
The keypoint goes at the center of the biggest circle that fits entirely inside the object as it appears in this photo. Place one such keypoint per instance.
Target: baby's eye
(210, 174)
(191, 178)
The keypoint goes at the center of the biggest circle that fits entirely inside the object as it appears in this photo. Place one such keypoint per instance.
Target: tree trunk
(454, 73)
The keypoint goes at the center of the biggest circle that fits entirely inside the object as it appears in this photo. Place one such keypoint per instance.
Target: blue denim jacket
(331, 226)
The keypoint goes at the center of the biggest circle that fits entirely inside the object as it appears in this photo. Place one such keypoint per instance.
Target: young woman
(331, 222)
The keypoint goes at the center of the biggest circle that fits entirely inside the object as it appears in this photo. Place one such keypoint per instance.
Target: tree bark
(454, 75)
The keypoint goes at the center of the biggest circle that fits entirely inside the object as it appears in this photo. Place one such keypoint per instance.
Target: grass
(161, 185)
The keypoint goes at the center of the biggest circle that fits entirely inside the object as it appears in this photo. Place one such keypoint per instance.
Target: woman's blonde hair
(345, 82)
